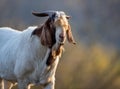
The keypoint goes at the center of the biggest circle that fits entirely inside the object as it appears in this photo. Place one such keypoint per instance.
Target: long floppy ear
(46, 38)
(70, 36)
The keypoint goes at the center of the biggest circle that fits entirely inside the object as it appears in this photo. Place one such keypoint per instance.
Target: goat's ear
(37, 31)
(68, 17)
(40, 14)
(46, 38)
(70, 36)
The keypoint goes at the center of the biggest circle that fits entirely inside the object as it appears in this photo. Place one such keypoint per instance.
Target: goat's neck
(54, 53)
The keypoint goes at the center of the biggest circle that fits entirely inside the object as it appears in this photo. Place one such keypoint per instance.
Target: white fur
(23, 59)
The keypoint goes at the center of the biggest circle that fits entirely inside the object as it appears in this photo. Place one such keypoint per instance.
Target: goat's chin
(57, 45)
(61, 43)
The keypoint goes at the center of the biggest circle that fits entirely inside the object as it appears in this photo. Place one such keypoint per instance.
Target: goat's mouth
(61, 41)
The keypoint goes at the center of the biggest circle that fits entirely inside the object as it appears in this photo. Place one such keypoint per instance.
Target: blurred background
(94, 63)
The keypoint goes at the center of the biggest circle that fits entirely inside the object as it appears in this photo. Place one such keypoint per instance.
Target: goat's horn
(44, 14)
(39, 14)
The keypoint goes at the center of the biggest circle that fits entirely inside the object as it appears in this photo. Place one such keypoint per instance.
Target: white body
(23, 59)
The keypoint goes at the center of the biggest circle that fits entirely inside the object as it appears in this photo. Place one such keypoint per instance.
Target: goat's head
(58, 28)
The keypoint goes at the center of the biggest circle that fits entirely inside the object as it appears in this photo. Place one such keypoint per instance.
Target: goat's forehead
(60, 13)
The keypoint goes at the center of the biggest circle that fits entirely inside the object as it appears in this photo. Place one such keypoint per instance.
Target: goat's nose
(62, 36)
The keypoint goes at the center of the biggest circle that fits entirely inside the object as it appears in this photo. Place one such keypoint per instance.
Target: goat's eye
(54, 15)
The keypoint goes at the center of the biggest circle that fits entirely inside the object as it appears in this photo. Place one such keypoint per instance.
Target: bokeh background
(94, 63)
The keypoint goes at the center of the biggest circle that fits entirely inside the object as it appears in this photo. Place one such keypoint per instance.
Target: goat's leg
(1, 84)
(51, 85)
(7, 85)
(22, 84)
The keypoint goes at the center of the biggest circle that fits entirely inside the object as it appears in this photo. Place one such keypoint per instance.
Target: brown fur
(37, 31)
(70, 36)
(53, 54)
(46, 33)
(46, 38)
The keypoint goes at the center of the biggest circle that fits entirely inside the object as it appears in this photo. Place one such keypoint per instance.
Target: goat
(31, 56)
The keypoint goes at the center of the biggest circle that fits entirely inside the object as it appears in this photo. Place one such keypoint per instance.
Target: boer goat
(31, 56)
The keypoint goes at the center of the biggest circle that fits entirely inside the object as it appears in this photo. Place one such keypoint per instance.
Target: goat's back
(6, 34)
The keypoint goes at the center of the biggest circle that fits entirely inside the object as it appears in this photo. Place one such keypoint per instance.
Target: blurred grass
(93, 67)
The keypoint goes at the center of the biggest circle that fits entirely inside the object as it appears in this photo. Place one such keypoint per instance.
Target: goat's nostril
(61, 36)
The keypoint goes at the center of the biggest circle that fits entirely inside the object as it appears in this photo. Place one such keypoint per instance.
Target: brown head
(56, 29)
